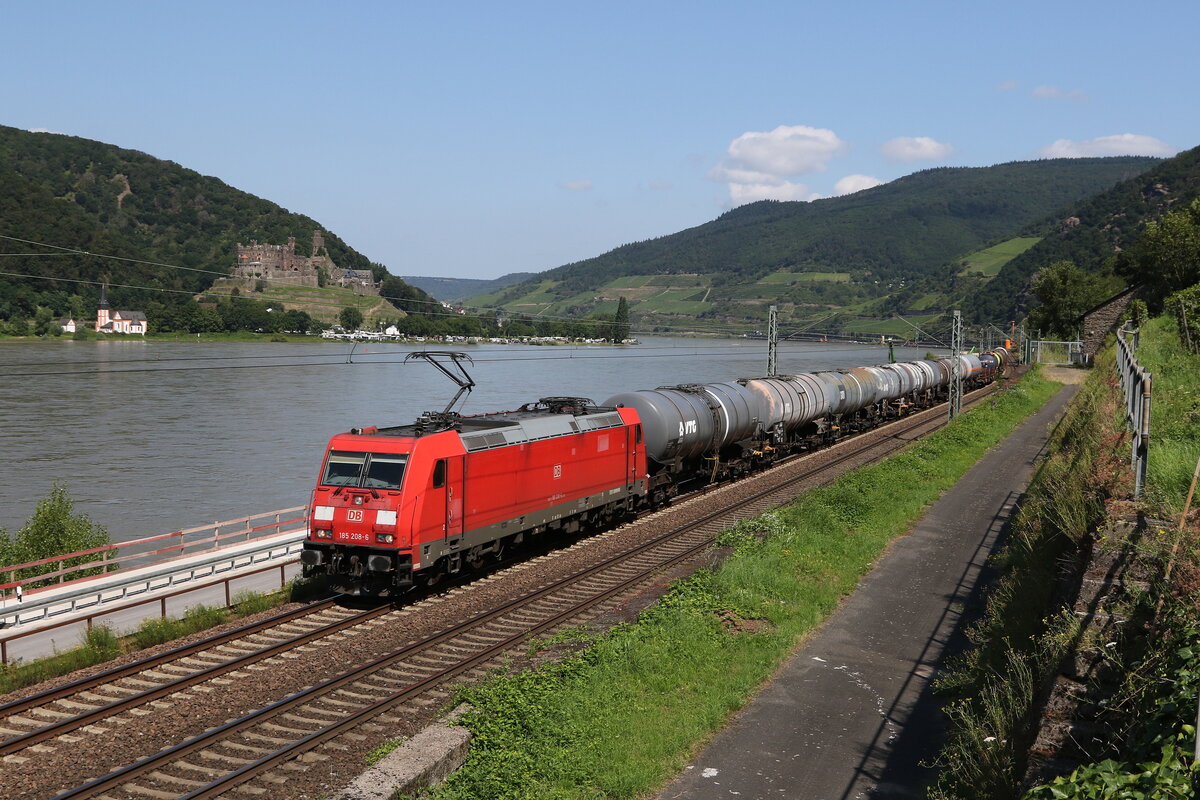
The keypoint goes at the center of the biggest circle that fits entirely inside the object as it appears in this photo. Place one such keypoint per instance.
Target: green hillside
(894, 248)
(453, 290)
(1094, 233)
(86, 195)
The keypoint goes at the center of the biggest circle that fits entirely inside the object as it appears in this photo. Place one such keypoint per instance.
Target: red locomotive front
(419, 501)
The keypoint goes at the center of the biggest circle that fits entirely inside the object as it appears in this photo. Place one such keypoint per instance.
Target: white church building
(109, 321)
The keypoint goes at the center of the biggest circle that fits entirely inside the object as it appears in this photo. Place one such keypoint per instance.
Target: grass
(100, 644)
(1175, 415)
(786, 278)
(621, 717)
(987, 262)
(322, 303)
(893, 326)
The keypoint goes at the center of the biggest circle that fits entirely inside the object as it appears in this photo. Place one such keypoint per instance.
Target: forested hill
(1091, 232)
(88, 195)
(454, 290)
(906, 229)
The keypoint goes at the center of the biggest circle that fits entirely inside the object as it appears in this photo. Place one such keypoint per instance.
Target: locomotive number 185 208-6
(343, 536)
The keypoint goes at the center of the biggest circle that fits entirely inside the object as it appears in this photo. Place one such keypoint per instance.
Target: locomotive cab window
(439, 474)
(384, 471)
(365, 470)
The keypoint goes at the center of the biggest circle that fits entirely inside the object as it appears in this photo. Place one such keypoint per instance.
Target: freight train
(410, 504)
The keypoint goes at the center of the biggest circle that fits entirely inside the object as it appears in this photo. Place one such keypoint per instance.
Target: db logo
(354, 515)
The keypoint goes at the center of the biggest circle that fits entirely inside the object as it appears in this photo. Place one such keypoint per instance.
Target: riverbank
(361, 336)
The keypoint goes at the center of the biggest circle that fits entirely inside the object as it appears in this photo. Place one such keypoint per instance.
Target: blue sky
(474, 139)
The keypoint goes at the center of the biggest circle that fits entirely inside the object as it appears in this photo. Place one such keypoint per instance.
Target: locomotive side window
(439, 474)
(637, 434)
(384, 471)
(343, 468)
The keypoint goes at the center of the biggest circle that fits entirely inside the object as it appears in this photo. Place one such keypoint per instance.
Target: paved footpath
(851, 714)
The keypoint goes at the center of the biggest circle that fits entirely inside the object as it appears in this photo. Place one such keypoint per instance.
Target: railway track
(272, 743)
(61, 709)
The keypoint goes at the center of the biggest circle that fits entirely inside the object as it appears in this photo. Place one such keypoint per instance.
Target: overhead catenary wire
(365, 359)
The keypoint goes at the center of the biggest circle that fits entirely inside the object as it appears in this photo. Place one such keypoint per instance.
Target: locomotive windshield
(364, 470)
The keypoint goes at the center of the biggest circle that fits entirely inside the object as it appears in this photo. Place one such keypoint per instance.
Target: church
(109, 321)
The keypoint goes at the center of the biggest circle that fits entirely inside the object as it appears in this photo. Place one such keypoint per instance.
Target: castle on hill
(278, 265)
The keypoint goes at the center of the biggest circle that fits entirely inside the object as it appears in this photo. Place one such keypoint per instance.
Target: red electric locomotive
(416, 502)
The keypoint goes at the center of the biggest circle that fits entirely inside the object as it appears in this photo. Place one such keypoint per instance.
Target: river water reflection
(151, 437)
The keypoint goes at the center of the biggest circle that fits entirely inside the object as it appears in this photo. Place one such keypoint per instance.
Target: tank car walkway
(852, 714)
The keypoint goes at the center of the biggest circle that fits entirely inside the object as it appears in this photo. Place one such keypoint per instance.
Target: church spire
(103, 315)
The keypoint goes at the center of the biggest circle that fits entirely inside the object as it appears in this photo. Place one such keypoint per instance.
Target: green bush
(54, 529)
(1185, 308)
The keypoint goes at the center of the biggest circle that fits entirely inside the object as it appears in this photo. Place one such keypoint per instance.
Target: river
(155, 436)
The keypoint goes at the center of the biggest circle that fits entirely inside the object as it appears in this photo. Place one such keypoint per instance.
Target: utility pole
(773, 343)
(956, 346)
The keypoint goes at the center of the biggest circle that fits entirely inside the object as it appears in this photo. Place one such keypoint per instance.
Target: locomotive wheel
(475, 559)
(432, 578)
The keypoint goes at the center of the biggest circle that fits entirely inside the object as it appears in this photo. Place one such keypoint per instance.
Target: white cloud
(1122, 144)
(1007, 86)
(757, 164)
(577, 186)
(855, 183)
(46, 130)
(915, 148)
(1055, 93)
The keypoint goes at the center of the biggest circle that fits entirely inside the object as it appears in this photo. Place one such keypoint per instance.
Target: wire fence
(1135, 384)
(1045, 351)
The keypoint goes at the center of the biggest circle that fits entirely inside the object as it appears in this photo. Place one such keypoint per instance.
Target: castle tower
(318, 243)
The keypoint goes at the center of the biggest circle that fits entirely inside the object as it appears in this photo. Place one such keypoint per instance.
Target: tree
(620, 324)
(54, 529)
(1167, 256)
(350, 318)
(1064, 292)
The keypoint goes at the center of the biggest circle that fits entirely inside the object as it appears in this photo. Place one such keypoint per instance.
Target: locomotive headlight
(323, 533)
(385, 538)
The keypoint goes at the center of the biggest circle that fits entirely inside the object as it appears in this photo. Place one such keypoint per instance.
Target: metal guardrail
(1135, 384)
(100, 591)
(47, 620)
(85, 564)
